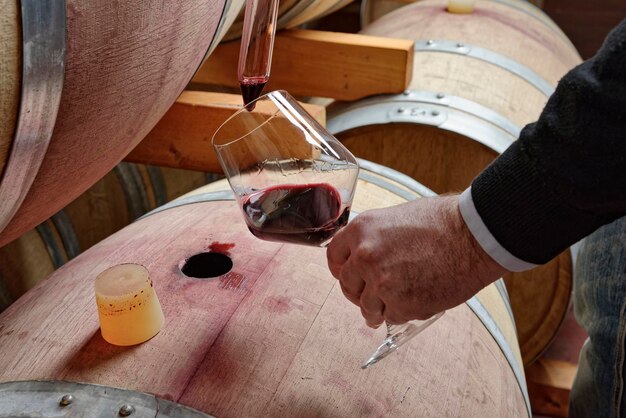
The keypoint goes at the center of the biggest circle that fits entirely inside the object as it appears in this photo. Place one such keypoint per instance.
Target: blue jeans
(600, 308)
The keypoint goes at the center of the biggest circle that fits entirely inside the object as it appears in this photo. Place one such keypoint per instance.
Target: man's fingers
(352, 283)
(372, 308)
(352, 297)
(393, 317)
(337, 253)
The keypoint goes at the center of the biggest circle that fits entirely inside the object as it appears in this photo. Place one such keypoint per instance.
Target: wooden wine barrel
(273, 336)
(292, 13)
(121, 67)
(372, 10)
(122, 196)
(478, 79)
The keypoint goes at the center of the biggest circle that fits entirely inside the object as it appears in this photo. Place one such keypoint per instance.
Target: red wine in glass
(280, 142)
(308, 214)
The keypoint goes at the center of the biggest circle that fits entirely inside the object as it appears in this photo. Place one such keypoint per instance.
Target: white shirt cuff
(484, 237)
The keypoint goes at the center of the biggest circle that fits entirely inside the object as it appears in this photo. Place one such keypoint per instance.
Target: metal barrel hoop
(43, 69)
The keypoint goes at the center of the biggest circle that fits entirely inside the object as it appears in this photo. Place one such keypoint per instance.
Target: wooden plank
(328, 64)
(182, 138)
(549, 386)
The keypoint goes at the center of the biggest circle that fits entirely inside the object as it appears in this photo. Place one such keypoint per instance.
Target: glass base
(397, 335)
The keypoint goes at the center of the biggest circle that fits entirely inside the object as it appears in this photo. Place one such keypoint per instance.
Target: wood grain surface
(315, 63)
(27, 260)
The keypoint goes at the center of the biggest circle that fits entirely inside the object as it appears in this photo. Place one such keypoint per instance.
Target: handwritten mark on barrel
(405, 392)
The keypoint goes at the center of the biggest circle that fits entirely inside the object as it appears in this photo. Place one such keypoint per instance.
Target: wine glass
(294, 182)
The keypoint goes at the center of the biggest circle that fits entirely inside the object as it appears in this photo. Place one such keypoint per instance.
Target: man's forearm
(566, 175)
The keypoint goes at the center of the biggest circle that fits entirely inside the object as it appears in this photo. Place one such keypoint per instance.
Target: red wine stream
(307, 214)
(251, 91)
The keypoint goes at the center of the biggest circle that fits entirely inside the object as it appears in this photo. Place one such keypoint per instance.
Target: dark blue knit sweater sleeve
(566, 175)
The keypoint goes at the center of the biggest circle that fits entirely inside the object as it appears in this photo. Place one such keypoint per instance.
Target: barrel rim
(85, 396)
(43, 72)
(444, 111)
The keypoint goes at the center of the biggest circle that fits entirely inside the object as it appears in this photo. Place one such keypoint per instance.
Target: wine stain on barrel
(280, 305)
(221, 247)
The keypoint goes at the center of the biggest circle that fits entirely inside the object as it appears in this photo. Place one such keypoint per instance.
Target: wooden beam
(342, 66)
(549, 385)
(182, 138)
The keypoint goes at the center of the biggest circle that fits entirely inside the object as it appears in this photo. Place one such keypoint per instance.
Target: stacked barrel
(274, 335)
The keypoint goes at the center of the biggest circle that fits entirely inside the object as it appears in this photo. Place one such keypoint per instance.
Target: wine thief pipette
(257, 42)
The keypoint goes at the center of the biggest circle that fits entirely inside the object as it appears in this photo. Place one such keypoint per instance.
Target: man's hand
(409, 261)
